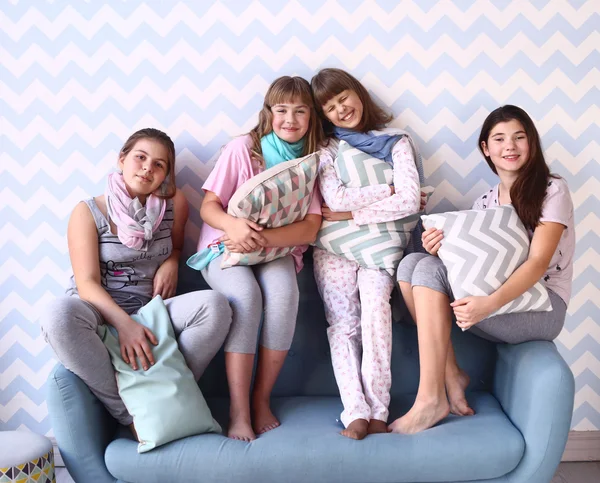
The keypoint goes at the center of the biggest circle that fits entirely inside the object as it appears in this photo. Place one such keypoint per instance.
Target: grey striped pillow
(377, 245)
(481, 249)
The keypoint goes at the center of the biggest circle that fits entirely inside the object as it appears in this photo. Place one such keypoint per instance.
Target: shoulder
(483, 201)
(557, 185)
(239, 145)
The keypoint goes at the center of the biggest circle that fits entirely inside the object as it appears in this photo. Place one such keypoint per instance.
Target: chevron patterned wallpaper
(76, 78)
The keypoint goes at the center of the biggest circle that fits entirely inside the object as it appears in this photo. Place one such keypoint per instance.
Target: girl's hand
(232, 247)
(472, 310)
(335, 216)
(165, 279)
(245, 233)
(432, 238)
(423, 201)
(133, 339)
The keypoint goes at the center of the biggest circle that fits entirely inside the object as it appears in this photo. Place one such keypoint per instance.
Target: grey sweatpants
(200, 319)
(424, 270)
(271, 287)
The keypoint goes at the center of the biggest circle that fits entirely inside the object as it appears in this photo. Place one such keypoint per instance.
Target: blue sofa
(522, 394)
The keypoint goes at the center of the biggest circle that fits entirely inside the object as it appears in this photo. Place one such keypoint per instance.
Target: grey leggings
(272, 286)
(424, 270)
(201, 321)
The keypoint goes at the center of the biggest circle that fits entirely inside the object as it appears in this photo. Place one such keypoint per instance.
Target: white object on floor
(20, 447)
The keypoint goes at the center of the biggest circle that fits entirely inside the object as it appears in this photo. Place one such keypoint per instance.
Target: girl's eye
(139, 156)
(343, 99)
(521, 137)
(330, 109)
(499, 140)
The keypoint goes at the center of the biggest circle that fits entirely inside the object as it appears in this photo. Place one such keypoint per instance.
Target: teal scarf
(276, 151)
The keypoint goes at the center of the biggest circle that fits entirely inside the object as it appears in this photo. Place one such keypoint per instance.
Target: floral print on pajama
(357, 308)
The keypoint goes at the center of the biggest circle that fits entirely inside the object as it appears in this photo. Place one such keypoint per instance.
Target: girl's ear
(121, 161)
(485, 148)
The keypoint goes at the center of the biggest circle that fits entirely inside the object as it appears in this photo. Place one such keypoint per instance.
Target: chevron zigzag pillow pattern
(376, 245)
(481, 249)
(276, 197)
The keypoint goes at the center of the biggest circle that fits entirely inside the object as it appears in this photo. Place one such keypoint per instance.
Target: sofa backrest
(308, 371)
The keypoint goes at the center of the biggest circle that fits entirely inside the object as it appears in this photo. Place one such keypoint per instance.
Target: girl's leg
(337, 282)
(375, 287)
(524, 326)
(457, 380)
(201, 321)
(69, 325)
(240, 287)
(434, 319)
(279, 286)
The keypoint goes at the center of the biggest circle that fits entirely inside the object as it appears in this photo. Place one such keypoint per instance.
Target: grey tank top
(127, 274)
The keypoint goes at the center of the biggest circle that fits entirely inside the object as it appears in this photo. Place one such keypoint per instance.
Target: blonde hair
(167, 187)
(283, 90)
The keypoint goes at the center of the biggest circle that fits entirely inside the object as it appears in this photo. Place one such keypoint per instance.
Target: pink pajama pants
(357, 308)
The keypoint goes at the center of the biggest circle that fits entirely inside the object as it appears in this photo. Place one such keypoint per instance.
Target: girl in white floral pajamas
(357, 299)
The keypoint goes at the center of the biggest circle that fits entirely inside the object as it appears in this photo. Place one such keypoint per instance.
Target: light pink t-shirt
(557, 208)
(234, 167)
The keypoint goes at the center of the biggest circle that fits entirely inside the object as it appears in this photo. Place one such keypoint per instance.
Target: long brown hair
(167, 187)
(283, 90)
(529, 189)
(330, 82)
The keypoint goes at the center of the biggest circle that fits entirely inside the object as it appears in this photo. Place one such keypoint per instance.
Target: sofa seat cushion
(307, 447)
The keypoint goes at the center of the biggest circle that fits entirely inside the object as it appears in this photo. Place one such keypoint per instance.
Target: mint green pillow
(165, 401)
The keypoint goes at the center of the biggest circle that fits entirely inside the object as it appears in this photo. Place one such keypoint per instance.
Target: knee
(429, 267)
(58, 317)
(285, 296)
(407, 266)
(218, 310)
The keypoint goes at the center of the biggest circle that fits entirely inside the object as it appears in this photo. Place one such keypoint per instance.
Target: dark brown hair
(328, 83)
(283, 90)
(167, 187)
(529, 189)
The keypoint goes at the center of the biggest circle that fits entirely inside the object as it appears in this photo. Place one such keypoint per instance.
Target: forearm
(340, 198)
(302, 232)
(212, 212)
(92, 292)
(522, 279)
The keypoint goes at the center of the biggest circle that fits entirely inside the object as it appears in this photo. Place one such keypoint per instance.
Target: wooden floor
(567, 473)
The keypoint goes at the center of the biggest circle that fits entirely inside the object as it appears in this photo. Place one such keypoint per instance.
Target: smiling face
(291, 120)
(344, 110)
(144, 168)
(507, 146)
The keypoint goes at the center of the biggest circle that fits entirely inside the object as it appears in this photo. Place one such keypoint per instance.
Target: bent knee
(60, 315)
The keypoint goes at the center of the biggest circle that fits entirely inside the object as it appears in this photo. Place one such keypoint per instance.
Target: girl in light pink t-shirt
(511, 146)
(287, 129)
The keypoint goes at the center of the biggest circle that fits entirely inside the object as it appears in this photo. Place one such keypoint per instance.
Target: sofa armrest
(536, 389)
(82, 426)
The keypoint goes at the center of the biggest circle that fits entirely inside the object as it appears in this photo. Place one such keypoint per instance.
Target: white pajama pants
(357, 308)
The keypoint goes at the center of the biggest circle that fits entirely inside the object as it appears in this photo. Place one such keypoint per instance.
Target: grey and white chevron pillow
(376, 245)
(481, 249)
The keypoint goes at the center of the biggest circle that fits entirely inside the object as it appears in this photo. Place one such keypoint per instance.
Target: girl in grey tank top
(117, 272)
(125, 273)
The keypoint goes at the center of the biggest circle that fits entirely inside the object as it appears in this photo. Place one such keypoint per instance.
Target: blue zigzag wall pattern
(76, 78)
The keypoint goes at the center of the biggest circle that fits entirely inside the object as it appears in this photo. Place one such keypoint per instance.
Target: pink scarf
(136, 224)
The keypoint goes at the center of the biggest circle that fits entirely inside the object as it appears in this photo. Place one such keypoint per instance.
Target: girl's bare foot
(377, 426)
(240, 429)
(357, 429)
(456, 385)
(421, 416)
(263, 419)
